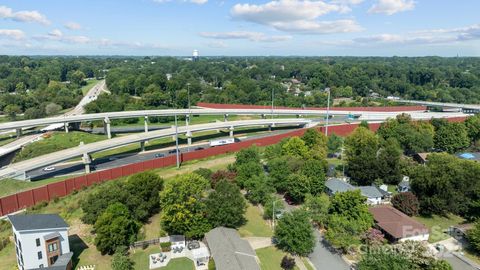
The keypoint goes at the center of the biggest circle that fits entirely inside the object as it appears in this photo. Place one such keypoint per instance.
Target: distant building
(41, 242)
(195, 56)
(397, 226)
(404, 185)
(229, 251)
(421, 157)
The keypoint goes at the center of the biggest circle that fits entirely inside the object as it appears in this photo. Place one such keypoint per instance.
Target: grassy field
(438, 224)
(270, 258)
(55, 142)
(140, 256)
(89, 85)
(256, 225)
(10, 186)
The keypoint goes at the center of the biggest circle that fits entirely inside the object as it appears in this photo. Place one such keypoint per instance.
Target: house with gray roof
(373, 193)
(229, 251)
(41, 242)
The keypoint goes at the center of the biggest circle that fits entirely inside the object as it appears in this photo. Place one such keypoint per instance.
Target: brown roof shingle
(396, 223)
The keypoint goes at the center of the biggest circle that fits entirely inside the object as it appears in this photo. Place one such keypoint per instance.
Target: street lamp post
(273, 95)
(328, 111)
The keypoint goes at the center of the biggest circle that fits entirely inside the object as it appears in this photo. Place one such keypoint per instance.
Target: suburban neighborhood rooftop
(37, 222)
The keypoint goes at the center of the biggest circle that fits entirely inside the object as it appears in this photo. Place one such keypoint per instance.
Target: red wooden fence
(22, 200)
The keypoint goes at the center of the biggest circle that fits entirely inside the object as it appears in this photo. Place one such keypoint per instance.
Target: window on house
(52, 247)
(38, 241)
(39, 255)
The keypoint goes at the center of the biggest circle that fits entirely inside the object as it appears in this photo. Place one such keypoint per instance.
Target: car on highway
(49, 168)
(159, 155)
(173, 151)
(198, 148)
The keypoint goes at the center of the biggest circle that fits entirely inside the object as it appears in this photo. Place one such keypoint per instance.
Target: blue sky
(241, 27)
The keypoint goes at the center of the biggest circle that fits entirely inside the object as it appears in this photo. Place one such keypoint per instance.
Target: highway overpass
(467, 108)
(18, 170)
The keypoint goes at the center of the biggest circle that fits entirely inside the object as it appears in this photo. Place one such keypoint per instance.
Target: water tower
(195, 55)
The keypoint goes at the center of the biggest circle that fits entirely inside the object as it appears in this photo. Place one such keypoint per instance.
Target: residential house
(373, 194)
(229, 251)
(41, 241)
(421, 157)
(397, 226)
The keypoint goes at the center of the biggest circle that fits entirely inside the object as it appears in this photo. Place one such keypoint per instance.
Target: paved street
(323, 259)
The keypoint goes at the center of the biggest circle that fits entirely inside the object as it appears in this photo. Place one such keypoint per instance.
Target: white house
(41, 241)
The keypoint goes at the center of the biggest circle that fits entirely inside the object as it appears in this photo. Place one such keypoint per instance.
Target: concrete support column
(173, 136)
(231, 132)
(187, 120)
(225, 117)
(189, 138)
(19, 132)
(87, 160)
(264, 116)
(106, 123)
(142, 146)
(145, 121)
(66, 127)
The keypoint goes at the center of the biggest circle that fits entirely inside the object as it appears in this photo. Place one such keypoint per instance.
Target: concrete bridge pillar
(225, 117)
(145, 122)
(19, 132)
(271, 126)
(142, 146)
(173, 136)
(231, 132)
(106, 125)
(189, 138)
(86, 160)
(264, 116)
(187, 120)
(66, 127)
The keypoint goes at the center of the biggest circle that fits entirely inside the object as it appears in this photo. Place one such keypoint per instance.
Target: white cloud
(433, 36)
(12, 34)
(73, 26)
(57, 35)
(217, 44)
(23, 16)
(391, 7)
(300, 16)
(198, 2)
(252, 36)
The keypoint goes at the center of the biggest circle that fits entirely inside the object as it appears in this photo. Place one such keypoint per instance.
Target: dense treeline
(42, 86)
(28, 82)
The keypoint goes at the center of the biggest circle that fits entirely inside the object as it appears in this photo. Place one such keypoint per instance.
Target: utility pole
(273, 95)
(176, 142)
(328, 111)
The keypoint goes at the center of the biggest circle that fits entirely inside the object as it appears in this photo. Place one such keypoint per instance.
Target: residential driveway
(323, 259)
(259, 242)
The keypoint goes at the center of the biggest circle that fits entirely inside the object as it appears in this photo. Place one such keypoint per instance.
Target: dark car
(198, 148)
(173, 151)
(159, 155)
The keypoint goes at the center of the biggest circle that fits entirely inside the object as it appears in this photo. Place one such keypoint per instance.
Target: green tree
(314, 170)
(294, 233)
(452, 137)
(364, 124)
(381, 260)
(11, 111)
(247, 171)
(183, 206)
(52, 109)
(389, 169)
(361, 156)
(334, 143)
(247, 155)
(225, 206)
(317, 208)
(473, 236)
(406, 202)
(279, 170)
(351, 204)
(298, 187)
(115, 228)
(268, 206)
(473, 127)
(316, 142)
(258, 189)
(295, 147)
(121, 261)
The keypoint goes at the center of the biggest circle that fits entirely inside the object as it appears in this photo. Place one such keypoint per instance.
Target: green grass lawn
(140, 256)
(438, 224)
(56, 142)
(256, 225)
(270, 258)
(10, 186)
(89, 85)
(153, 229)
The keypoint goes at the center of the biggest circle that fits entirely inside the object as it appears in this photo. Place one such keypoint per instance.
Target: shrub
(406, 202)
(211, 265)
(166, 246)
(220, 175)
(287, 263)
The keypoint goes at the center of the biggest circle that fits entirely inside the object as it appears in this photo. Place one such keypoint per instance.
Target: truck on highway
(222, 141)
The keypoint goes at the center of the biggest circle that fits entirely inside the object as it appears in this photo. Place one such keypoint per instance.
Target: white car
(49, 168)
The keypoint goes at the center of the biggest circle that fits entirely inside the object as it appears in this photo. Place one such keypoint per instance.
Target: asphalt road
(121, 160)
(325, 259)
